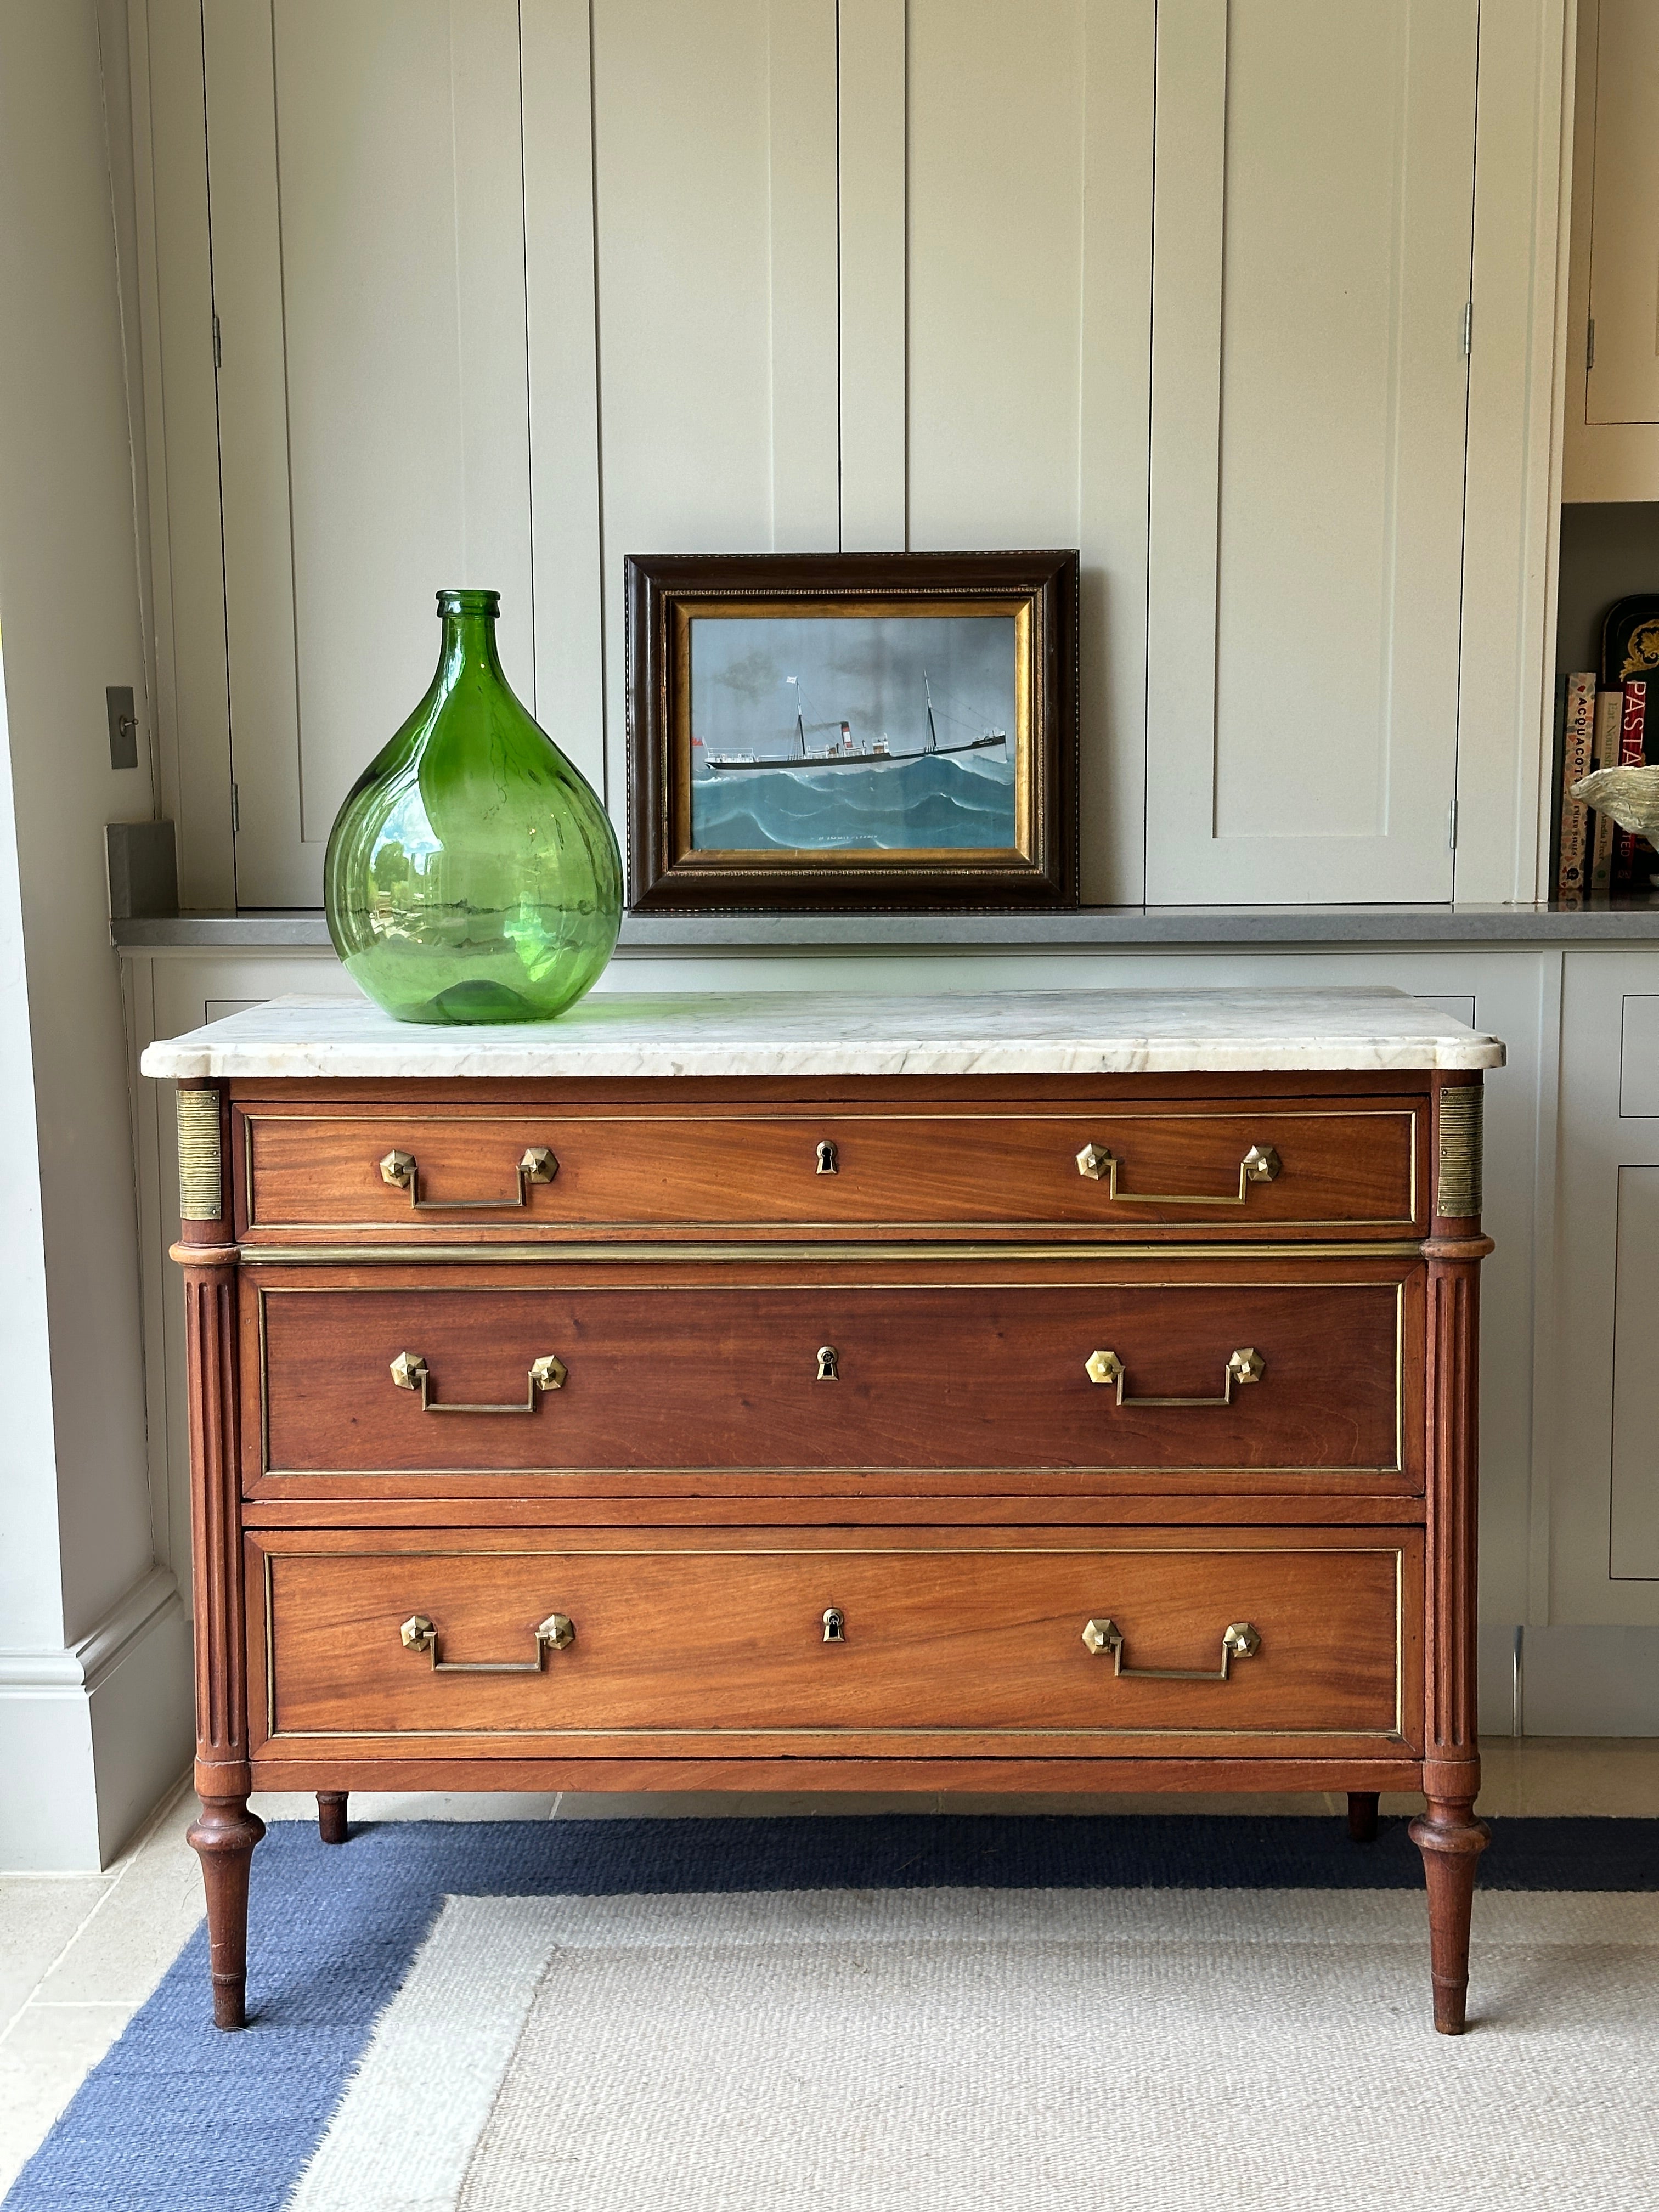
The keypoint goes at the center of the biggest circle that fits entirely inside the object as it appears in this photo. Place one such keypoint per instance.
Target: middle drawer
(1314, 1379)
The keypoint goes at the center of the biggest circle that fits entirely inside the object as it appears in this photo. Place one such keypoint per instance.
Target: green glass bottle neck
(468, 649)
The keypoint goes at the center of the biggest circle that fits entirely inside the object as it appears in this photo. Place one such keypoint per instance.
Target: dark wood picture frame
(667, 592)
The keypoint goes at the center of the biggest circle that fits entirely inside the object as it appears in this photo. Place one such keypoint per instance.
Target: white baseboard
(1591, 1681)
(91, 1736)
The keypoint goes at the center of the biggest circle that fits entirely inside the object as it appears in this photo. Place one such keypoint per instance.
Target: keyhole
(829, 1160)
(835, 1625)
(829, 1364)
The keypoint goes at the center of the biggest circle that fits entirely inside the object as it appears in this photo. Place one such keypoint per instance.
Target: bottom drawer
(905, 1642)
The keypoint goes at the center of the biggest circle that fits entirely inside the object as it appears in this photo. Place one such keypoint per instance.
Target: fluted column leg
(225, 1835)
(1449, 1836)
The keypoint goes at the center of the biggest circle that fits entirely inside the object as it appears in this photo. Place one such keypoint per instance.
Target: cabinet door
(1623, 384)
(366, 187)
(1311, 259)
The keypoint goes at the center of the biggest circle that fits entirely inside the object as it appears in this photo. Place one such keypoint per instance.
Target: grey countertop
(1085, 930)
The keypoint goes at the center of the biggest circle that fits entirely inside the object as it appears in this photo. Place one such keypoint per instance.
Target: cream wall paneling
(714, 155)
(1512, 476)
(507, 292)
(1028, 233)
(365, 175)
(1605, 1483)
(1612, 449)
(1312, 255)
(181, 441)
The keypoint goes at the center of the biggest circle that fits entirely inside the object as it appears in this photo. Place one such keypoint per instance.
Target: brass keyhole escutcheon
(828, 1159)
(835, 1625)
(829, 1364)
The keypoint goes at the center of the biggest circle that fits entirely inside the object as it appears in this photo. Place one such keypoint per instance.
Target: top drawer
(1272, 1167)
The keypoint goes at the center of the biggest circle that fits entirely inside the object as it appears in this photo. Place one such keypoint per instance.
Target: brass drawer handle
(1243, 1367)
(1240, 1641)
(557, 1633)
(1259, 1164)
(401, 1170)
(409, 1373)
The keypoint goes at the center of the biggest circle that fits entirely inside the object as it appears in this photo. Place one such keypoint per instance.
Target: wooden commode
(1040, 1392)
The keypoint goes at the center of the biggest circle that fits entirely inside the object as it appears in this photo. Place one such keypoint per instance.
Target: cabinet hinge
(1590, 347)
(235, 812)
(1451, 826)
(218, 350)
(1468, 324)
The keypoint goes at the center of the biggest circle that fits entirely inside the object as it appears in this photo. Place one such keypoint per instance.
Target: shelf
(1129, 928)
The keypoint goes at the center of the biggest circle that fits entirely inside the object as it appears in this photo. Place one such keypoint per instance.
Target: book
(1633, 731)
(1578, 754)
(1609, 723)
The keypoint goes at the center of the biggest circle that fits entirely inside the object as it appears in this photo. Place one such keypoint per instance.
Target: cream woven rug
(981, 2050)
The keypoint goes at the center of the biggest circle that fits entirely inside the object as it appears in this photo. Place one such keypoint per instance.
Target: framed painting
(883, 730)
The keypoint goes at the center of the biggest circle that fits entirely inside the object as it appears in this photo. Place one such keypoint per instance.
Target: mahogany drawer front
(713, 1644)
(1277, 1168)
(1244, 1377)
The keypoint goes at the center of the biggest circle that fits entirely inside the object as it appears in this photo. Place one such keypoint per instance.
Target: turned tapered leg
(1362, 1816)
(223, 1839)
(1451, 1841)
(331, 1815)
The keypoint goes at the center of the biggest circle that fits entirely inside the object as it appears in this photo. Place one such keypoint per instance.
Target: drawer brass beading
(1096, 1164)
(402, 1172)
(1239, 1641)
(1243, 1366)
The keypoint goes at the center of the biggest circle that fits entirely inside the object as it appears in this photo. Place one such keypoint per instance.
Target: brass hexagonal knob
(548, 1372)
(397, 1168)
(409, 1371)
(1094, 1161)
(1103, 1367)
(1259, 1164)
(1241, 1640)
(538, 1165)
(1101, 1635)
(418, 1632)
(1247, 1367)
(558, 1630)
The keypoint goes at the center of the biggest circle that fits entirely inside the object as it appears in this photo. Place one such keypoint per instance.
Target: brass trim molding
(201, 1191)
(854, 1252)
(1457, 1183)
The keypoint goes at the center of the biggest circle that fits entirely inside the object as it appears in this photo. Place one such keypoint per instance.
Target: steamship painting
(915, 751)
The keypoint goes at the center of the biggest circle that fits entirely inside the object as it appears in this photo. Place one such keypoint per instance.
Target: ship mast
(800, 726)
(932, 734)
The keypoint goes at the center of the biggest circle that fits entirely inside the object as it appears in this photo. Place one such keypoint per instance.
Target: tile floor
(79, 1954)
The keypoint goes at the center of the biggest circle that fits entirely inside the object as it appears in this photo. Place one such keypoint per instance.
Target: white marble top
(612, 1034)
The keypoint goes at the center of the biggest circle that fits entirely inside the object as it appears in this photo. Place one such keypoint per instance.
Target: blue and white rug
(876, 2014)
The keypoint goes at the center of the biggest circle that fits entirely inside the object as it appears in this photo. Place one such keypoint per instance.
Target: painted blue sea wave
(958, 804)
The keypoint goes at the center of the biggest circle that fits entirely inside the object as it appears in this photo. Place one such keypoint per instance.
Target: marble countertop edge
(612, 1037)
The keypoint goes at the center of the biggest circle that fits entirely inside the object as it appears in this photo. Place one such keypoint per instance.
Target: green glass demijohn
(472, 874)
